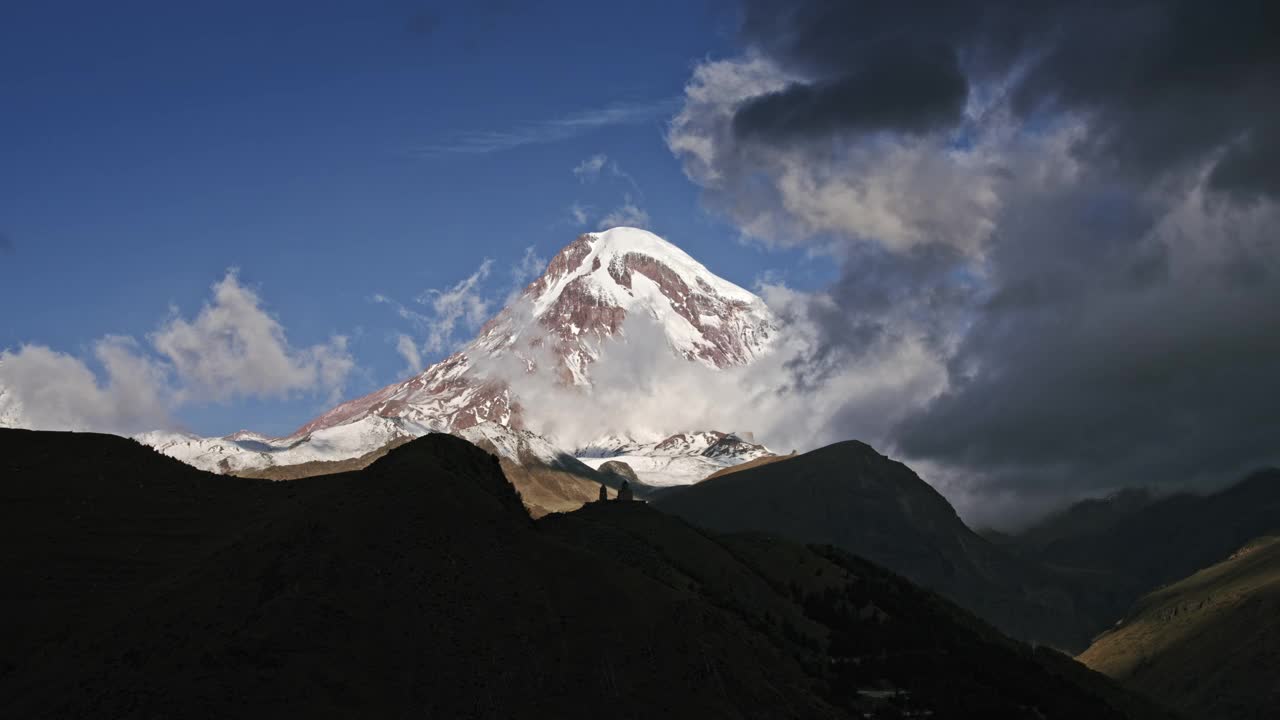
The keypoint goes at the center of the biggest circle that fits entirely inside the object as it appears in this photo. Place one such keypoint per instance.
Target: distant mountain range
(137, 586)
(1130, 543)
(680, 459)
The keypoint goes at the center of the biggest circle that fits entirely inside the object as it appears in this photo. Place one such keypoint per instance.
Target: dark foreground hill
(1208, 644)
(138, 587)
(851, 496)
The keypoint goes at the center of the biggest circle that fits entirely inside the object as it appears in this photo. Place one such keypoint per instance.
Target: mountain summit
(558, 325)
(589, 289)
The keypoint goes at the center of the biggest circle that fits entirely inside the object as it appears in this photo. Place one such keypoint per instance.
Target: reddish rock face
(575, 307)
(723, 344)
(565, 261)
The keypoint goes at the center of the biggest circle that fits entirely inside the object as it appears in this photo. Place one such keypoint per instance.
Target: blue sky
(331, 152)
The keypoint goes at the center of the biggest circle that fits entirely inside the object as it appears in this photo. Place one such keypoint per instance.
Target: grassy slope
(767, 459)
(1208, 644)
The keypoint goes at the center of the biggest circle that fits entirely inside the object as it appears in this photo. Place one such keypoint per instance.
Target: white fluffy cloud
(49, 390)
(232, 348)
(639, 386)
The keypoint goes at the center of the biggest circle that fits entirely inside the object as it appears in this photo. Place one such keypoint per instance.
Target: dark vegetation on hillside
(139, 587)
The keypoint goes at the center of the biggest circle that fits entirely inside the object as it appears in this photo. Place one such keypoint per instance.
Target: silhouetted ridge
(851, 496)
(1263, 483)
(138, 587)
(452, 465)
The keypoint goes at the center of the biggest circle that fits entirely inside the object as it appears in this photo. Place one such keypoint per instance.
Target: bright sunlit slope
(1208, 645)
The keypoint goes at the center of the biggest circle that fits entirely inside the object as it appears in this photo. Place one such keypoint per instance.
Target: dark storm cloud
(919, 289)
(910, 91)
(1165, 83)
(1095, 365)
(1249, 167)
(1106, 301)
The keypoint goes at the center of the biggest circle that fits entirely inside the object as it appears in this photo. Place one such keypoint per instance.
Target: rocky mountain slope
(1209, 644)
(138, 586)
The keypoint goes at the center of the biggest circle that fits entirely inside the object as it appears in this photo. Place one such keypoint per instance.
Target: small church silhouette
(624, 492)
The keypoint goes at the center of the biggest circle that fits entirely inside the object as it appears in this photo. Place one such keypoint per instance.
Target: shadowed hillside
(849, 495)
(140, 587)
(1128, 544)
(544, 488)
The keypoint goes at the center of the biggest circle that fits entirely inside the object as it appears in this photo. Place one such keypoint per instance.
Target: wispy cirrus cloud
(627, 214)
(459, 308)
(578, 214)
(589, 170)
(482, 142)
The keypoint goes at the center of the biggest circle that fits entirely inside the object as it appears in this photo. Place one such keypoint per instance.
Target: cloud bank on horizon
(232, 349)
(1074, 209)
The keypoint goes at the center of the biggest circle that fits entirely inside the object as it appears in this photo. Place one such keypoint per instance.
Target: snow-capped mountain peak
(582, 299)
(605, 260)
(599, 280)
(557, 325)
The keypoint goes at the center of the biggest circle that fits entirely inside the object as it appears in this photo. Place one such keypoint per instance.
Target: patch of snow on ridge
(520, 446)
(681, 459)
(226, 455)
(612, 445)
